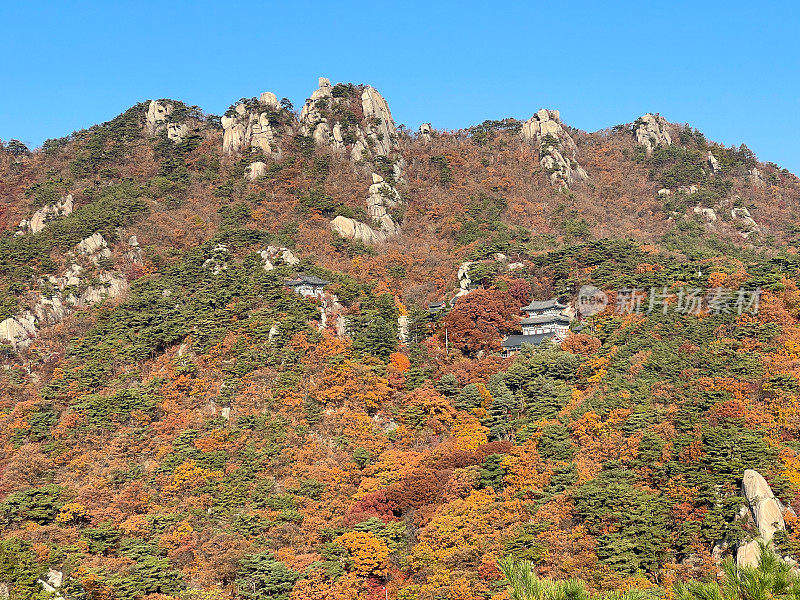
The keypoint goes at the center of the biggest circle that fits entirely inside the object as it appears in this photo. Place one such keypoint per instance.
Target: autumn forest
(266, 354)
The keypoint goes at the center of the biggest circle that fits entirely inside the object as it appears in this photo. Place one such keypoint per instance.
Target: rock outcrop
(111, 285)
(253, 124)
(274, 255)
(745, 222)
(59, 295)
(426, 132)
(756, 177)
(683, 189)
(382, 197)
(403, 328)
(52, 581)
(313, 121)
(373, 135)
(255, 170)
(766, 512)
(18, 331)
(464, 282)
(218, 261)
(379, 128)
(652, 131)
(159, 118)
(708, 215)
(134, 253)
(44, 215)
(356, 230)
(713, 163)
(95, 247)
(68, 291)
(557, 149)
(688, 189)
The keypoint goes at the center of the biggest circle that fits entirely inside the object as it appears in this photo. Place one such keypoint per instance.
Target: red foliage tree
(478, 320)
(519, 289)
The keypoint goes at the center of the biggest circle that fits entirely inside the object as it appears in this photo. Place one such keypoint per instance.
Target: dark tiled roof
(514, 341)
(307, 279)
(544, 305)
(541, 319)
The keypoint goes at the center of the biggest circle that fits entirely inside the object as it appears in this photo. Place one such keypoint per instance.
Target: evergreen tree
(448, 385)
(261, 576)
(469, 398)
(501, 412)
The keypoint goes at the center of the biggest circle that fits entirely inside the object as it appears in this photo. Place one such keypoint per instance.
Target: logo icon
(591, 301)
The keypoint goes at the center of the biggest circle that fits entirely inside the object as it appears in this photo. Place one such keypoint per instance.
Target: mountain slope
(178, 421)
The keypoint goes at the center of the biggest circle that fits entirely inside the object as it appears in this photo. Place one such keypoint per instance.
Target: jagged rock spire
(557, 149)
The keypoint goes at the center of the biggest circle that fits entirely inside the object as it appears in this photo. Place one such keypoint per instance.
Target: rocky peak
(557, 149)
(159, 118)
(340, 117)
(379, 125)
(652, 130)
(270, 100)
(426, 132)
(253, 123)
(325, 89)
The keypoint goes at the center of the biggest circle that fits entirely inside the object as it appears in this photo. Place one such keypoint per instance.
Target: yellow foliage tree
(369, 553)
(469, 432)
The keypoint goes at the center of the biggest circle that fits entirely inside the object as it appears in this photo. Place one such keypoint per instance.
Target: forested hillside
(180, 419)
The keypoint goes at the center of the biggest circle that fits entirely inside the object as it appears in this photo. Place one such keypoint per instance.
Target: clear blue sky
(731, 69)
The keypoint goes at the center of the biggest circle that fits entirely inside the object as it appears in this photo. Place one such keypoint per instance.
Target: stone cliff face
(557, 149)
(255, 125)
(379, 129)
